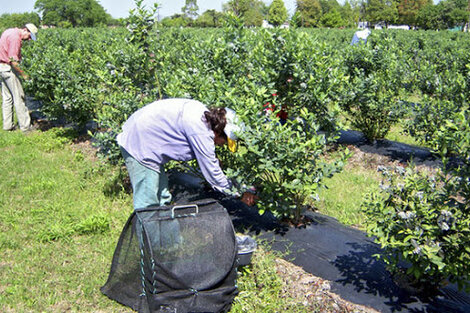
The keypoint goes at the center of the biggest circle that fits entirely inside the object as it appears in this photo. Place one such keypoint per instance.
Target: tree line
(62, 13)
(423, 14)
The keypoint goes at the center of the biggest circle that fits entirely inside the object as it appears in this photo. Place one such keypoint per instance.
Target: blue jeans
(150, 188)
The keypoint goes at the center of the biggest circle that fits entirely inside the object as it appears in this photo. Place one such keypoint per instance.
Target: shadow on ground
(396, 151)
(330, 250)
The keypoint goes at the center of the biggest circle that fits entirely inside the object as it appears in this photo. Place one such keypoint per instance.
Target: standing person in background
(360, 36)
(12, 91)
(180, 130)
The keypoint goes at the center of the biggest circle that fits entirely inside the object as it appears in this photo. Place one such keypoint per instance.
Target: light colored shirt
(10, 45)
(173, 129)
(360, 35)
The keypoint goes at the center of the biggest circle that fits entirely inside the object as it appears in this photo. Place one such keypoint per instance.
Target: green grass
(396, 134)
(345, 193)
(57, 228)
(262, 290)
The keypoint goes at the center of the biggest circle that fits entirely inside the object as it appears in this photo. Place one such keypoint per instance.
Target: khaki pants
(13, 96)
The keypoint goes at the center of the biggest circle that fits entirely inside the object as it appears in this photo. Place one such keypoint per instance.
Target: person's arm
(14, 55)
(204, 150)
(16, 67)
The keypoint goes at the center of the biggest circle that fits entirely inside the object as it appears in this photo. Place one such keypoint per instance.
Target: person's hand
(249, 198)
(16, 68)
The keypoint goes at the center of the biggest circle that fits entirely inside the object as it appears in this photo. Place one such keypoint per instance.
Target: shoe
(30, 129)
(11, 129)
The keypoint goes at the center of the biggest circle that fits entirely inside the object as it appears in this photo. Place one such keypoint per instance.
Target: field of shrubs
(419, 80)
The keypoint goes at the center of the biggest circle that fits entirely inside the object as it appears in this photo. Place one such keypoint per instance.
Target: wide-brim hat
(232, 127)
(33, 30)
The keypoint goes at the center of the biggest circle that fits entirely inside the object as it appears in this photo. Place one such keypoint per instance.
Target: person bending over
(180, 130)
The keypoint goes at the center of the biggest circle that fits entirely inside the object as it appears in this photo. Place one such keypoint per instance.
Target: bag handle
(183, 207)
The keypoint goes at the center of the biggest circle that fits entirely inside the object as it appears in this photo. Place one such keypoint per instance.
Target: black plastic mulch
(394, 150)
(344, 256)
(332, 251)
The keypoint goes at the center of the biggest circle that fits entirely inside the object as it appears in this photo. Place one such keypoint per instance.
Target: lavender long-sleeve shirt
(173, 129)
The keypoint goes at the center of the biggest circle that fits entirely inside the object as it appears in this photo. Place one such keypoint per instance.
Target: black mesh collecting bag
(175, 259)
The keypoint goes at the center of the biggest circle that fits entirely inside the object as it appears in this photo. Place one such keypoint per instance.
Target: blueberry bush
(424, 219)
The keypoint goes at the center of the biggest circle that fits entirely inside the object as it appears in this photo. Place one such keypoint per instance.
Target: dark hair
(216, 120)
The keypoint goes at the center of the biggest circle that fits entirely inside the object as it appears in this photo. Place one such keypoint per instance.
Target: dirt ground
(371, 161)
(312, 291)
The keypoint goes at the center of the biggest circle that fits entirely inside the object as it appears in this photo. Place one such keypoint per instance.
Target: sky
(120, 8)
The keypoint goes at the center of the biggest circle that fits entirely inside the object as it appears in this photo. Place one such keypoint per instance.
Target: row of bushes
(90, 75)
(425, 219)
(314, 75)
(369, 84)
